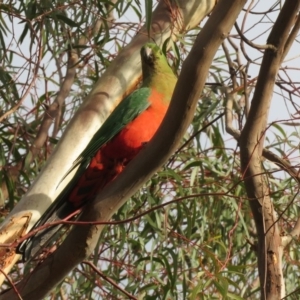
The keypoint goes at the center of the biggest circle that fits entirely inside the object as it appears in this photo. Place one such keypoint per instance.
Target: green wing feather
(125, 112)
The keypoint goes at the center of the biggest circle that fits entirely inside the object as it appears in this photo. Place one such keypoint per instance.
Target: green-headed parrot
(124, 133)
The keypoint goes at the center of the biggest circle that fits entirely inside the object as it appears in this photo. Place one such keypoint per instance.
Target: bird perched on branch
(125, 132)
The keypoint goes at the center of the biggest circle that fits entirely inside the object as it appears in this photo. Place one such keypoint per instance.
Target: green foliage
(193, 235)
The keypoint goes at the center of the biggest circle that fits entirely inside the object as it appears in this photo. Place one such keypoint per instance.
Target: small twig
(290, 294)
(292, 37)
(229, 115)
(230, 234)
(12, 284)
(231, 65)
(251, 44)
(106, 278)
(194, 135)
(53, 112)
(35, 75)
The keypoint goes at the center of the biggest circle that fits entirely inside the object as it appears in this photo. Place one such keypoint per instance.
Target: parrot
(125, 132)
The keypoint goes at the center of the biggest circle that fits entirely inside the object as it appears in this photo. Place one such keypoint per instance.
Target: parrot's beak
(148, 51)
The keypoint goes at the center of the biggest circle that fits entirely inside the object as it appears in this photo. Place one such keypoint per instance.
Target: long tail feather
(58, 211)
(44, 239)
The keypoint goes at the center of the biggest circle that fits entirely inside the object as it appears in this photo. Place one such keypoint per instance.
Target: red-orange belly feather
(111, 159)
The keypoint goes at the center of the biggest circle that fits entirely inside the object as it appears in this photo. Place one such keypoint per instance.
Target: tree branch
(251, 143)
(120, 78)
(82, 239)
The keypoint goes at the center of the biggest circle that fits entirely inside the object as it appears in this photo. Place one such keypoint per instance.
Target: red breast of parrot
(112, 157)
(125, 132)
